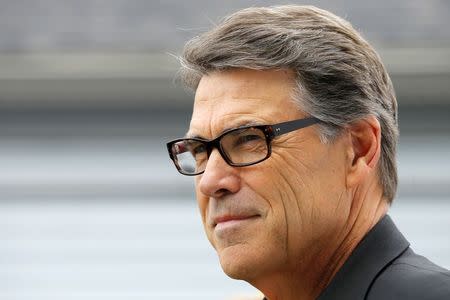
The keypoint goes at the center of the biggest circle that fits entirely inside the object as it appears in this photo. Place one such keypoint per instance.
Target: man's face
(277, 215)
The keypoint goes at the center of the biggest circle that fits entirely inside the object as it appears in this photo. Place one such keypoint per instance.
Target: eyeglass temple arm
(285, 127)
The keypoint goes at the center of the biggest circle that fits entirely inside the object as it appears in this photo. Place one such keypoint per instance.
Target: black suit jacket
(383, 266)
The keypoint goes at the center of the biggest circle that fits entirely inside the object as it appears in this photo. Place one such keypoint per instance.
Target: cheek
(290, 182)
(296, 193)
(327, 180)
(317, 182)
(276, 195)
(265, 181)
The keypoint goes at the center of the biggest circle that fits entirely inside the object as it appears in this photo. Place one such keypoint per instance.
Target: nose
(219, 178)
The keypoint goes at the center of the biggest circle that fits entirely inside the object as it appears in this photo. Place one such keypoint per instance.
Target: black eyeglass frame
(270, 132)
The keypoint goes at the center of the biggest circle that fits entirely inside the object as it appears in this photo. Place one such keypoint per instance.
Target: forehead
(233, 98)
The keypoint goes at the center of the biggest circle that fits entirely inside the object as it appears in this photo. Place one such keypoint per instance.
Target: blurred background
(90, 205)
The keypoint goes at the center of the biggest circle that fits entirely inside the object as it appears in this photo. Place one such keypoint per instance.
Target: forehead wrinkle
(241, 82)
(242, 119)
(225, 129)
(213, 101)
(239, 91)
(232, 119)
(218, 107)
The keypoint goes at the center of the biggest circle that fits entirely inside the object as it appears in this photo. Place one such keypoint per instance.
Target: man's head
(264, 66)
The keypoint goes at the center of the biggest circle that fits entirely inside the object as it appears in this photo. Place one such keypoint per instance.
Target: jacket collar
(382, 244)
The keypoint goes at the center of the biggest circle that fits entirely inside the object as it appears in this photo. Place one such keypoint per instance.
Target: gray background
(90, 205)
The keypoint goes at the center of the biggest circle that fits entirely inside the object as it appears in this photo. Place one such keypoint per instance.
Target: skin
(287, 224)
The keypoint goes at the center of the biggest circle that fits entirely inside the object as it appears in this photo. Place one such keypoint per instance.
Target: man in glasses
(292, 147)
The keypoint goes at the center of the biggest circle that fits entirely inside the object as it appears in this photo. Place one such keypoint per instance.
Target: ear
(364, 150)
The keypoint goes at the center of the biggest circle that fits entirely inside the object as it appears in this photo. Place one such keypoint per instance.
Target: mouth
(229, 219)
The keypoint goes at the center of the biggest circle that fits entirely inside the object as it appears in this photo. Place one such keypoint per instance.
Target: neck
(313, 273)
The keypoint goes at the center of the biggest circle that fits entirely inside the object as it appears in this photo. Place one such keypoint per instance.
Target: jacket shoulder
(411, 276)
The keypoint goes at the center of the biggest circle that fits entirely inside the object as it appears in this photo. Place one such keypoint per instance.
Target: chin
(236, 262)
(239, 262)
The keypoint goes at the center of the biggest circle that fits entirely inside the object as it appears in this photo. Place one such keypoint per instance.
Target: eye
(199, 149)
(247, 138)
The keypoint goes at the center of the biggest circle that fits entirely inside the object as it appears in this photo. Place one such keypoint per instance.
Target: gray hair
(340, 78)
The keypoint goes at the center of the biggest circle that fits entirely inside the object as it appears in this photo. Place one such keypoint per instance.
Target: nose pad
(215, 145)
(215, 157)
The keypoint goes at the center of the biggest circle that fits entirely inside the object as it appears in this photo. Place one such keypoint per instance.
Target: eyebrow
(244, 123)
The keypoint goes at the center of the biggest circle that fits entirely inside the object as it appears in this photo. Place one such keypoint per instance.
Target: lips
(229, 218)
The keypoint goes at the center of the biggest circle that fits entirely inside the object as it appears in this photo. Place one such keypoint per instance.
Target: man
(292, 144)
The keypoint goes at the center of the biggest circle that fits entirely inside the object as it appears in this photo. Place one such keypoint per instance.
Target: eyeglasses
(239, 147)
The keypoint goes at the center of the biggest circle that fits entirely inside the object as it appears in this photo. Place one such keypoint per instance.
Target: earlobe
(364, 149)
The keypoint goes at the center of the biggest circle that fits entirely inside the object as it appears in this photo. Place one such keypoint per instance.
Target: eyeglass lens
(241, 147)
